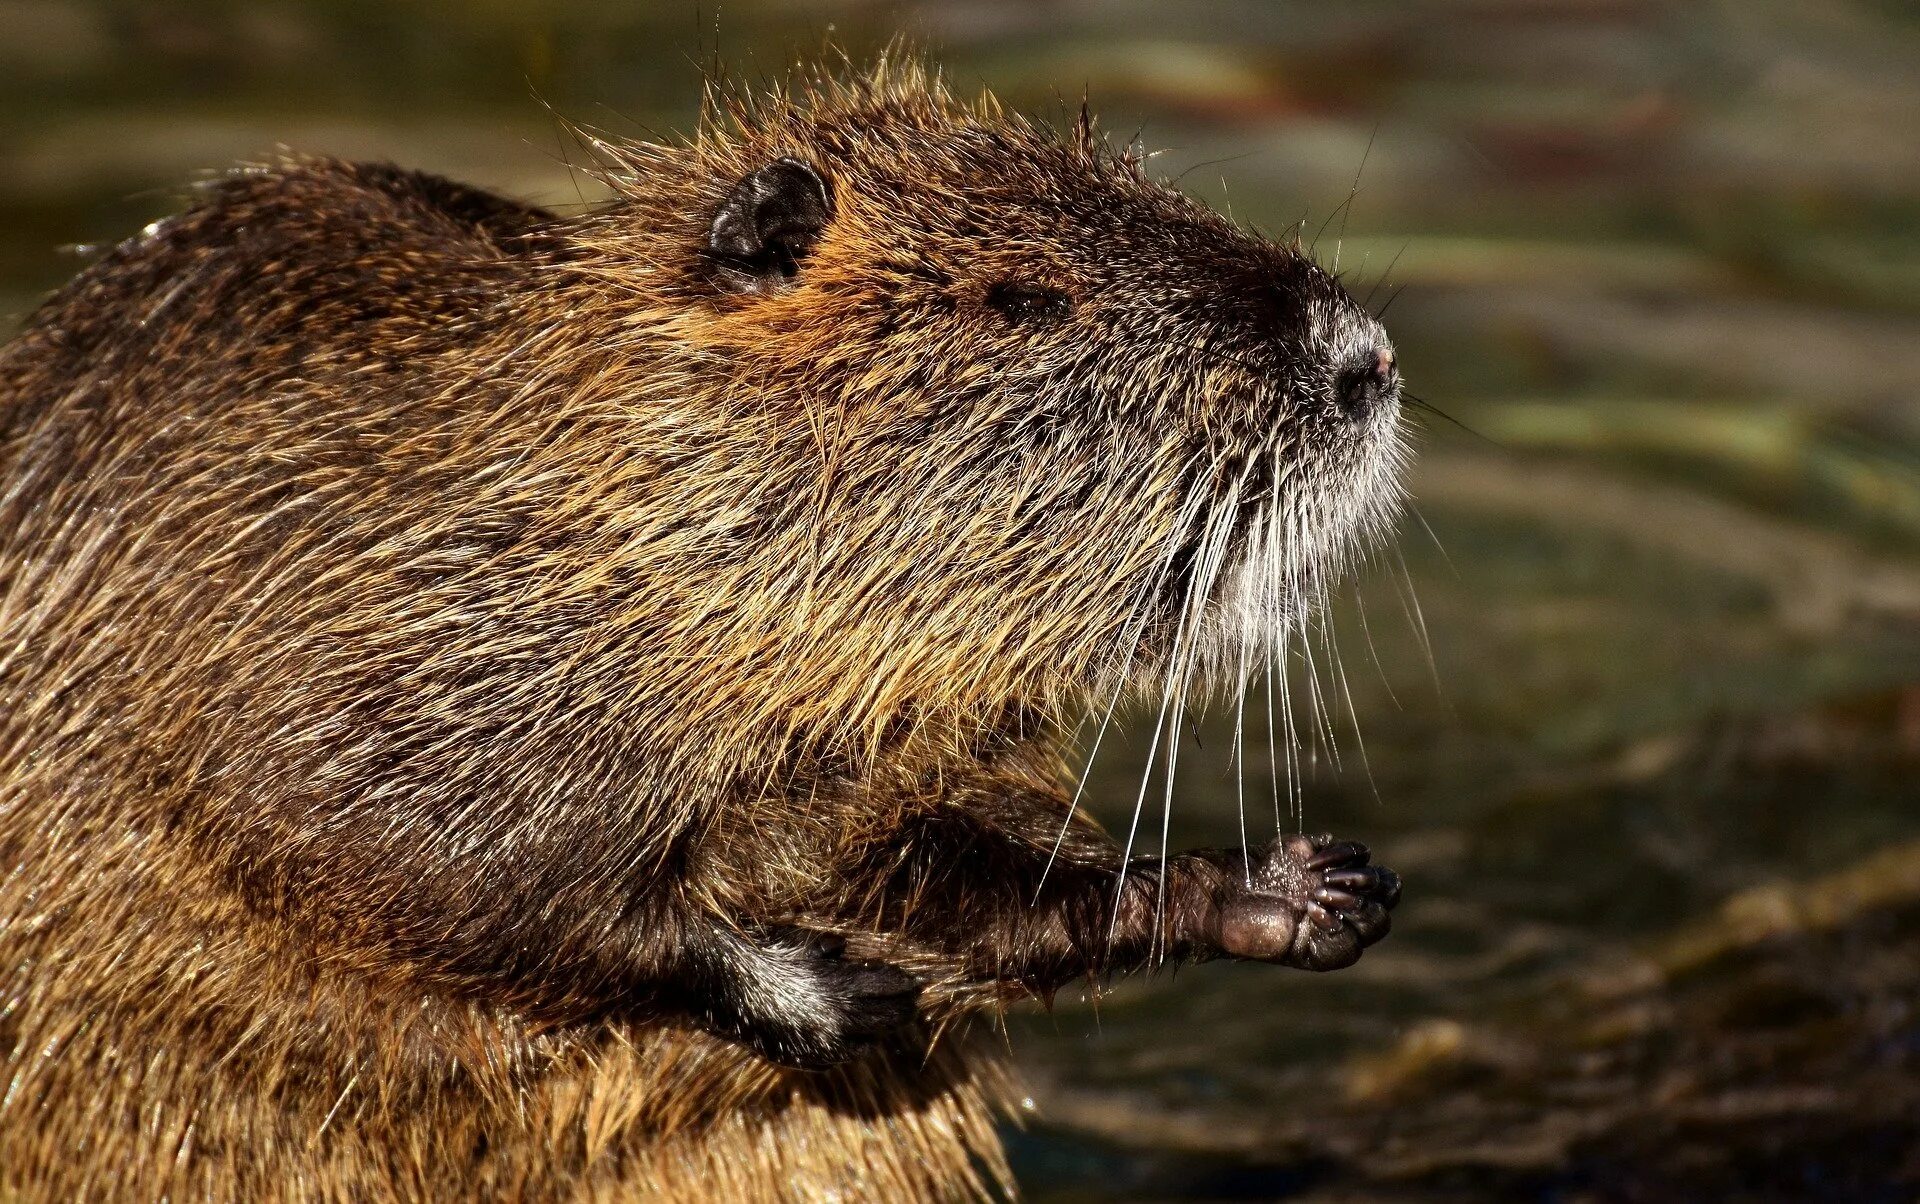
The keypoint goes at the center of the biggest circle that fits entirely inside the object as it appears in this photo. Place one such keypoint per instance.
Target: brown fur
(420, 613)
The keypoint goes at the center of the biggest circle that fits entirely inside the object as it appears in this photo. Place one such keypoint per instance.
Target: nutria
(497, 705)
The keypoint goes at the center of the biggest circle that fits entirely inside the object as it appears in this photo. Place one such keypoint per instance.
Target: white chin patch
(1290, 556)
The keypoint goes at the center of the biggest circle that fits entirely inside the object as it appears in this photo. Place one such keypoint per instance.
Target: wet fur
(445, 645)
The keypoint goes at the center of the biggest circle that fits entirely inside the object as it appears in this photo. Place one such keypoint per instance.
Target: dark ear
(766, 225)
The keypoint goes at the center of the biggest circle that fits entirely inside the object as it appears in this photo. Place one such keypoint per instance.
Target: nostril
(1366, 383)
(1362, 387)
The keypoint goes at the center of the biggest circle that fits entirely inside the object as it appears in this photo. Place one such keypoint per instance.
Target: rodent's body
(500, 706)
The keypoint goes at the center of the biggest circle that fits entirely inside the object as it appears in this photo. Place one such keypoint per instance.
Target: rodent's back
(236, 456)
(287, 313)
(268, 266)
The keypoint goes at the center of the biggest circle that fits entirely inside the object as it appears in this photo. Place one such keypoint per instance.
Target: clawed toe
(1331, 885)
(1338, 853)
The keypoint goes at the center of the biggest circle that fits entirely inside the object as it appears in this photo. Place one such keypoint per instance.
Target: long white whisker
(1137, 624)
(1273, 751)
(1295, 798)
(1339, 673)
(1410, 602)
(1207, 571)
(1181, 635)
(1317, 704)
(1240, 742)
(1373, 653)
(1146, 777)
(1434, 536)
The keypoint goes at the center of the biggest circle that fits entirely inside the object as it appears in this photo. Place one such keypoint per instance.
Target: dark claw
(1337, 900)
(1340, 852)
(1366, 878)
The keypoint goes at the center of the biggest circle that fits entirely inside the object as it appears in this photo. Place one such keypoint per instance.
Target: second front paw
(799, 1001)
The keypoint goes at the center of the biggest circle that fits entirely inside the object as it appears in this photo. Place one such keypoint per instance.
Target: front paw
(1314, 903)
(802, 1003)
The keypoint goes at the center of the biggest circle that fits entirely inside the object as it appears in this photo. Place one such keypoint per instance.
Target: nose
(1382, 371)
(1362, 387)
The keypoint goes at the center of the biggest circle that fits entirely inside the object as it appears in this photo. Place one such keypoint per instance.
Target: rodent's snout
(1364, 387)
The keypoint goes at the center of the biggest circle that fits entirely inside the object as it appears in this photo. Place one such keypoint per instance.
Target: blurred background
(1634, 705)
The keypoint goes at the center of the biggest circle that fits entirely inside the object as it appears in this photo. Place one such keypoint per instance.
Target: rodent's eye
(1021, 301)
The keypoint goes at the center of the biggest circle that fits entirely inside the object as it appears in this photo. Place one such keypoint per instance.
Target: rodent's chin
(1275, 579)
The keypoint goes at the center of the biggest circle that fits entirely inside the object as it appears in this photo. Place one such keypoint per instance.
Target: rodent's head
(1058, 418)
